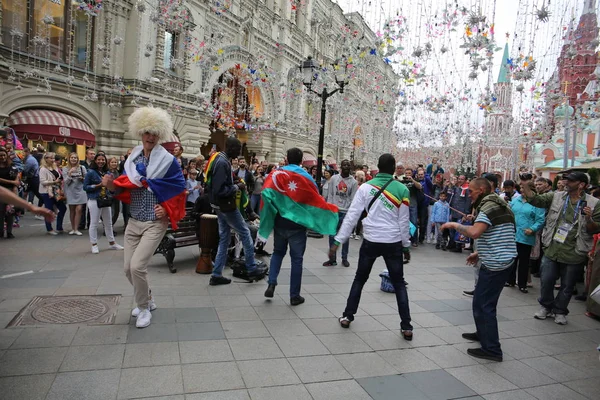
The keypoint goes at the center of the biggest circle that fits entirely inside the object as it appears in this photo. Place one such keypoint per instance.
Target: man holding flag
(153, 184)
(291, 204)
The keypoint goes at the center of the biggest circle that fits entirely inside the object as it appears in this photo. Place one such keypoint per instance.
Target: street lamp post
(308, 69)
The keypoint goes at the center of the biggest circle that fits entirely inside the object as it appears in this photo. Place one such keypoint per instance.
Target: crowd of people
(514, 229)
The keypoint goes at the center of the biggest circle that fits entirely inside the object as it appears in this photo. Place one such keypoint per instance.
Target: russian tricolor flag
(162, 176)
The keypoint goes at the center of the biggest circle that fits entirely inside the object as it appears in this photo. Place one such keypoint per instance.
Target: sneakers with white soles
(151, 305)
(116, 246)
(543, 313)
(78, 233)
(95, 249)
(143, 319)
(560, 319)
(71, 232)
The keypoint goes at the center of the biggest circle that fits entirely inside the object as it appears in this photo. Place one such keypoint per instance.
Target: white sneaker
(39, 217)
(52, 233)
(560, 319)
(151, 305)
(78, 233)
(543, 313)
(71, 232)
(143, 318)
(95, 249)
(116, 246)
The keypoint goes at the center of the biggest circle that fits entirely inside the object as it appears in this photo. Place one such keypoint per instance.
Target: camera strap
(378, 193)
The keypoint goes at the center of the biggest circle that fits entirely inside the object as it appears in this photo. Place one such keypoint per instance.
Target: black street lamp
(309, 75)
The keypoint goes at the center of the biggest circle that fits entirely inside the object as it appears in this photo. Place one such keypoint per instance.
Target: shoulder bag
(366, 212)
(104, 198)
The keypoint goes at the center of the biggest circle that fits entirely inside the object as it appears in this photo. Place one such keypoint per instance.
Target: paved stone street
(229, 342)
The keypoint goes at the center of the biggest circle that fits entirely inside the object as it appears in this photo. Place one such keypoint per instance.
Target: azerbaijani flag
(162, 176)
(292, 193)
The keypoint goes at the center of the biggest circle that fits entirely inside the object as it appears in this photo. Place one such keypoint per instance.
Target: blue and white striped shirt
(496, 246)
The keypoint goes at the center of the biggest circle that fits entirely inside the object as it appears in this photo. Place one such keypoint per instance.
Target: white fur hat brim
(153, 120)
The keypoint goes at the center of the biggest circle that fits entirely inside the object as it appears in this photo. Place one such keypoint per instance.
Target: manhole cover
(44, 310)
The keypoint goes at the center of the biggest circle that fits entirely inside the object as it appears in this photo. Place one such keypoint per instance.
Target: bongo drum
(208, 239)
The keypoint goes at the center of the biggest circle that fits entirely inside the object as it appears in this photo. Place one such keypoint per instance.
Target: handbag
(366, 212)
(227, 204)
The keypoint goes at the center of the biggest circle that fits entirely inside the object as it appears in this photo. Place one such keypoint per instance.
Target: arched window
(56, 30)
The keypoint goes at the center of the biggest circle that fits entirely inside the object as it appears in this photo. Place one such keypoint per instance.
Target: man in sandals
(385, 234)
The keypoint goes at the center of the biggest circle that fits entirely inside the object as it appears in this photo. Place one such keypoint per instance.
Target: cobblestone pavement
(229, 342)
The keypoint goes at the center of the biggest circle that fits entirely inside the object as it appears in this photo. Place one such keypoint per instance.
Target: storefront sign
(64, 131)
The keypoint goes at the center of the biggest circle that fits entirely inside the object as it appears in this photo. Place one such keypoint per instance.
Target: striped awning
(308, 160)
(51, 126)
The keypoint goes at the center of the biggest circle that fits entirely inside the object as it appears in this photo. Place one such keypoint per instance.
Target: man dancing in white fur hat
(153, 184)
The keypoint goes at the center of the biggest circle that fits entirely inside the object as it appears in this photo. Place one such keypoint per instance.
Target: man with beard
(342, 188)
(222, 192)
(177, 152)
(494, 234)
(243, 173)
(573, 217)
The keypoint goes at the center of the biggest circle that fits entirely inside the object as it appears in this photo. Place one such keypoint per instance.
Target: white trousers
(95, 214)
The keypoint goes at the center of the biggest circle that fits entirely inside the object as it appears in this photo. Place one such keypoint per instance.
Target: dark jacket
(221, 181)
(459, 200)
(248, 179)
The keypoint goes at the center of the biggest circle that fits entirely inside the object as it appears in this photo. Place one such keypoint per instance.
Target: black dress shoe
(10, 236)
(479, 353)
(456, 250)
(345, 263)
(471, 336)
(468, 292)
(219, 280)
(270, 291)
(296, 300)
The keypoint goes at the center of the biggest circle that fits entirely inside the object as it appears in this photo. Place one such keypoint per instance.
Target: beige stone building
(71, 75)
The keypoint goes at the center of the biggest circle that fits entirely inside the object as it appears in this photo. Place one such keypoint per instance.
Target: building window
(170, 50)
(60, 22)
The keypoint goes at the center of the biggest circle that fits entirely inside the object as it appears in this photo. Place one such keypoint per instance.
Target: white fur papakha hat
(153, 120)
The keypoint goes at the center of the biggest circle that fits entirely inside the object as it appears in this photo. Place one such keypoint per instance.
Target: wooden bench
(184, 236)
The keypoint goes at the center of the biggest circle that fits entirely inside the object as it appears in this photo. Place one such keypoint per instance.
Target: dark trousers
(296, 239)
(125, 211)
(521, 268)
(423, 221)
(50, 203)
(452, 244)
(346, 244)
(33, 185)
(9, 218)
(116, 208)
(393, 256)
(552, 270)
(485, 300)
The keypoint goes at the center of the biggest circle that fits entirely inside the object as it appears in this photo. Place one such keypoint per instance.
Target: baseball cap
(577, 176)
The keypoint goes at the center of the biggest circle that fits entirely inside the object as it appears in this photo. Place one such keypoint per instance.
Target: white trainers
(543, 313)
(52, 233)
(143, 319)
(151, 305)
(560, 319)
(78, 233)
(71, 232)
(116, 246)
(39, 217)
(95, 249)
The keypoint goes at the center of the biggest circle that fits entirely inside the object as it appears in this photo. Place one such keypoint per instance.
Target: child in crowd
(440, 215)
(193, 189)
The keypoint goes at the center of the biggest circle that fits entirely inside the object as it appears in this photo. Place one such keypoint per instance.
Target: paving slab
(95, 357)
(88, 385)
(29, 387)
(337, 390)
(151, 354)
(150, 381)
(262, 373)
(296, 392)
(31, 361)
(319, 369)
(439, 385)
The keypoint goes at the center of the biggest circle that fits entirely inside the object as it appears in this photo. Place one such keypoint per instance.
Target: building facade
(72, 72)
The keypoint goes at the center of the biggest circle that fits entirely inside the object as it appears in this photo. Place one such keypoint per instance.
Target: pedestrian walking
(9, 179)
(341, 191)
(291, 205)
(572, 219)
(222, 191)
(74, 174)
(494, 234)
(154, 186)
(385, 234)
(99, 203)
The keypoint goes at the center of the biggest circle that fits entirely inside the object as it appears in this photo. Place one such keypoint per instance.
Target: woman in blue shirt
(529, 220)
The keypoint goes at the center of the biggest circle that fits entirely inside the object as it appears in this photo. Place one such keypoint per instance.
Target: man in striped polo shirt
(494, 234)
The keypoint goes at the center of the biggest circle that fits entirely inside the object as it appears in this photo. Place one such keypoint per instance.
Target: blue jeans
(297, 240)
(49, 203)
(228, 221)
(255, 203)
(413, 212)
(550, 271)
(346, 244)
(393, 256)
(485, 300)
